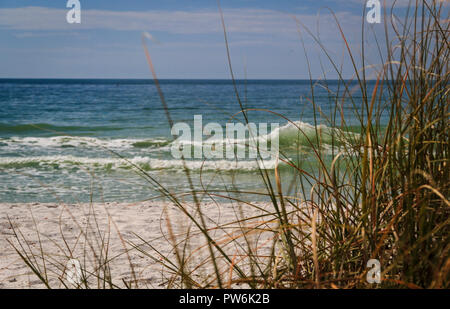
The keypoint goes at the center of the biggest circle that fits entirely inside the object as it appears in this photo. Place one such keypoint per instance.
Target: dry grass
(383, 194)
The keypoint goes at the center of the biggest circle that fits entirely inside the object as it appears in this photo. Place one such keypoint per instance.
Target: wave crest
(144, 163)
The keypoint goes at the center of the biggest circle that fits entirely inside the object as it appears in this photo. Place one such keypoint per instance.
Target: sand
(76, 232)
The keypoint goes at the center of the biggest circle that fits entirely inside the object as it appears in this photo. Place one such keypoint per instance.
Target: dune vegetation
(382, 193)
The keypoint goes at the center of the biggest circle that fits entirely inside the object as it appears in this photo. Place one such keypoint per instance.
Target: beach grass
(383, 194)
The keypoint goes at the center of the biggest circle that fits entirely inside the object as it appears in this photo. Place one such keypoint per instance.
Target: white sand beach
(76, 231)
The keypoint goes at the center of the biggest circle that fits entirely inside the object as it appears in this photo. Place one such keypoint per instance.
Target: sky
(265, 38)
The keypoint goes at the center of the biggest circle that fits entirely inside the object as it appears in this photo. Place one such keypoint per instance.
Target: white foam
(75, 141)
(142, 162)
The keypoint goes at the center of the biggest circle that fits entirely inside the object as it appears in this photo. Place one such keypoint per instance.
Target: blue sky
(37, 42)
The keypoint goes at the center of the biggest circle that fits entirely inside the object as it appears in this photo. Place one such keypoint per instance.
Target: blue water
(60, 139)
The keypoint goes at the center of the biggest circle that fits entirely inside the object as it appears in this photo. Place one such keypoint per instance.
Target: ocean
(91, 140)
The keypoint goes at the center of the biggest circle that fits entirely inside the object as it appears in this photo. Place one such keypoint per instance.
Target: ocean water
(82, 140)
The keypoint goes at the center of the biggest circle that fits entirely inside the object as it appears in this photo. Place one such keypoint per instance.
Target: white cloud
(396, 3)
(34, 34)
(176, 22)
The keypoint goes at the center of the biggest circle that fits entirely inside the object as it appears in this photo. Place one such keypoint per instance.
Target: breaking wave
(145, 163)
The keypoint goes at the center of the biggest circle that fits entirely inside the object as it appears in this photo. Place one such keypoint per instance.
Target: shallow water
(61, 139)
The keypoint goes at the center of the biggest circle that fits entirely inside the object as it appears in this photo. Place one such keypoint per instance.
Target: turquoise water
(59, 139)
